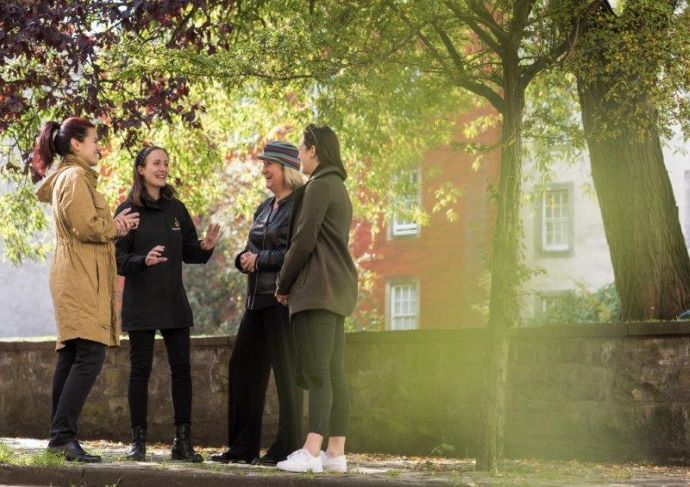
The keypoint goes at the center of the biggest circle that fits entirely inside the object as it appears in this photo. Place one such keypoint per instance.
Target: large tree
(631, 68)
(488, 48)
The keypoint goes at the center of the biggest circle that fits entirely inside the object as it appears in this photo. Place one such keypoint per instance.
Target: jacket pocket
(102, 208)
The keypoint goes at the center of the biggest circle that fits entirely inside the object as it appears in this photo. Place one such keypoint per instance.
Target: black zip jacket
(268, 239)
(154, 297)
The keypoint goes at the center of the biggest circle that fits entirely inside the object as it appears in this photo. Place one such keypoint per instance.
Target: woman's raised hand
(154, 256)
(213, 234)
(125, 221)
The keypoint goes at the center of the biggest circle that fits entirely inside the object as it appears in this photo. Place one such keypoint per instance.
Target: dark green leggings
(320, 347)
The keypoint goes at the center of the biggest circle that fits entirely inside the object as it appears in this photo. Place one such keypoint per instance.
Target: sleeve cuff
(263, 259)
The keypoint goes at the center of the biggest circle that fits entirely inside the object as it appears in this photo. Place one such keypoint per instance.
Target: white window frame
(391, 285)
(562, 221)
(400, 228)
(566, 220)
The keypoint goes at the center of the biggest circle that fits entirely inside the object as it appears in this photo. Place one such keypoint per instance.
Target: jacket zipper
(263, 244)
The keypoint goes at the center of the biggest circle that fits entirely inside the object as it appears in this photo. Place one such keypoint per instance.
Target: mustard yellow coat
(83, 270)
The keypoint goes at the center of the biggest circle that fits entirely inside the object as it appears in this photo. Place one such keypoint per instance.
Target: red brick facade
(445, 258)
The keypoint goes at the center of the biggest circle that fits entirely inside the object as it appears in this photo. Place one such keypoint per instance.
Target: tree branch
(521, 11)
(459, 75)
(543, 62)
(484, 17)
(496, 42)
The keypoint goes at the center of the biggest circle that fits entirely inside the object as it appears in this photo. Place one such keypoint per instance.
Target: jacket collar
(71, 160)
(322, 171)
(284, 200)
(160, 204)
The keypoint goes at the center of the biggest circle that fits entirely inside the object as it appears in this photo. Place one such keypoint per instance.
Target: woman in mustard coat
(82, 274)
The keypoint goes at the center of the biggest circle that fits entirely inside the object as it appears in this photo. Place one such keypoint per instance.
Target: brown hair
(327, 146)
(55, 139)
(138, 191)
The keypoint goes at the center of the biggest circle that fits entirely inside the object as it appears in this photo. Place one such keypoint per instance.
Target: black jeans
(78, 365)
(141, 359)
(320, 347)
(263, 342)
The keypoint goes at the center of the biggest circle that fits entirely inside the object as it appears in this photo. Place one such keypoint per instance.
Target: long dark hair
(327, 146)
(138, 191)
(55, 139)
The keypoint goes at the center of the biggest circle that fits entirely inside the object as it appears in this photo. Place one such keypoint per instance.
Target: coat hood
(45, 189)
(324, 170)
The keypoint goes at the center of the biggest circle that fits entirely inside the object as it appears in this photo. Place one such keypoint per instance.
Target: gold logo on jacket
(176, 225)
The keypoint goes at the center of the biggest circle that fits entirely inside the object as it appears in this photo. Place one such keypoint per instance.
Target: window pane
(555, 220)
(403, 306)
(400, 225)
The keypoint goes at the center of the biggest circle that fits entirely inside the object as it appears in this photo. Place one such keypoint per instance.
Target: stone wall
(26, 369)
(601, 392)
(589, 392)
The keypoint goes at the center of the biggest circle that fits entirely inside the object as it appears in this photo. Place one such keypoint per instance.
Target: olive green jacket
(318, 271)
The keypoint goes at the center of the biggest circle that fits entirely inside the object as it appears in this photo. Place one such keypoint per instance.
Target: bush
(580, 306)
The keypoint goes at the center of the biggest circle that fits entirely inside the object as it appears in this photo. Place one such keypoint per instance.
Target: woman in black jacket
(263, 341)
(150, 258)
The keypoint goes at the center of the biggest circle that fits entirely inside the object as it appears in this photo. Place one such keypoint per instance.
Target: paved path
(28, 468)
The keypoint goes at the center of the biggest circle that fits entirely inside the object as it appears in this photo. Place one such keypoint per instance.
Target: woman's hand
(154, 256)
(126, 221)
(121, 227)
(213, 234)
(282, 299)
(248, 261)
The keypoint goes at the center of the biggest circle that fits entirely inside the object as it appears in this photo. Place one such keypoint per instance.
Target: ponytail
(55, 139)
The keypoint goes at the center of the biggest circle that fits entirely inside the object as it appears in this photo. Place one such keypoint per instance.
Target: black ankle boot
(138, 451)
(182, 446)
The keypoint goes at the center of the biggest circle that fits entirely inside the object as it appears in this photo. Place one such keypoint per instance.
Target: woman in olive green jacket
(318, 281)
(82, 274)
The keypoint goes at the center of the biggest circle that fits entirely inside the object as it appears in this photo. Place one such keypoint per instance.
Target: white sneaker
(334, 464)
(301, 461)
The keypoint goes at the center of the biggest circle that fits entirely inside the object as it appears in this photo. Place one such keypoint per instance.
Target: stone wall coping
(43, 343)
(391, 336)
(594, 330)
(633, 329)
(602, 330)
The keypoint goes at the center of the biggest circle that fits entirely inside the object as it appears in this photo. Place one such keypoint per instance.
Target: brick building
(434, 276)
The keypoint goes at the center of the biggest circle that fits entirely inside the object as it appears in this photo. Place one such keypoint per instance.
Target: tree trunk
(650, 262)
(504, 271)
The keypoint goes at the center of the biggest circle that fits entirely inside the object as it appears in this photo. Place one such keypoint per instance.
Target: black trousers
(141, 360)
(263, 342)
(78, 364)
(320, 347)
